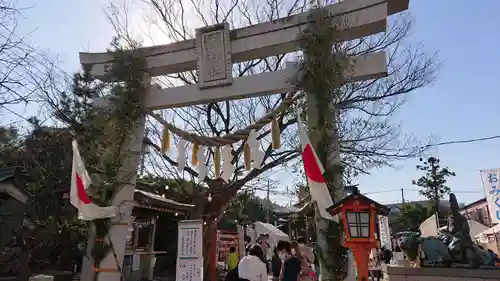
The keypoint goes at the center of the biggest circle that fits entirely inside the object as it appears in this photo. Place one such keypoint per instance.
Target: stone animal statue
(485, 258)
(459, 241)
(434, 251)
(457, 238)
(452, 245)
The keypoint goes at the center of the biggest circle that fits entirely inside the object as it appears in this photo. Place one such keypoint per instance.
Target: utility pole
(436, 200)
(268, 202)
(402, 196)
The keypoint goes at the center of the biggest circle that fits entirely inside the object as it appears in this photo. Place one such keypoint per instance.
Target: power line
(381, 191)
(462, 141)
(417, 189)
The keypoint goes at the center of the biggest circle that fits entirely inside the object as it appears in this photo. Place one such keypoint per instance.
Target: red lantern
(358, 213)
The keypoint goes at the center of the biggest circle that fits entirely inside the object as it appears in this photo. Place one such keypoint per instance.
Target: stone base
(396, 273)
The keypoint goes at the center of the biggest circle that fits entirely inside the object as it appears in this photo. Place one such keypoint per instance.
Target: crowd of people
(293, 261)
(287, 261)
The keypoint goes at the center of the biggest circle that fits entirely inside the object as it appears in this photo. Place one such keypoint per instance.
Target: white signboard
(189, 240)
(189, 270)
(492, 191)
(190, 251)
(385, 232)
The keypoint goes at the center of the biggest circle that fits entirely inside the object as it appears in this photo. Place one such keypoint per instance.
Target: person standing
(385, 255)
(263, 241)
(248, 243)
(252, 267)
(291, 267)
(306, 273)
(232, 258)
(276, 264)
(307, 251)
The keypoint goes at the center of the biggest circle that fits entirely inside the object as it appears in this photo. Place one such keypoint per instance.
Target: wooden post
(152, 256)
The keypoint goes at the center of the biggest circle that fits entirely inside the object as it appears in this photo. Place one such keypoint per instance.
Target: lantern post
(358, 214)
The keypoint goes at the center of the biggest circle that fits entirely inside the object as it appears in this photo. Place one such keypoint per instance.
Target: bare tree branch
(369, 136)
(22, 67)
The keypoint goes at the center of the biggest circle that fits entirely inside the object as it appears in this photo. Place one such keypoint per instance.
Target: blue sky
(461, 104)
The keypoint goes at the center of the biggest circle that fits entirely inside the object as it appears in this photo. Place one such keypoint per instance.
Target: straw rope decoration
(223, 144)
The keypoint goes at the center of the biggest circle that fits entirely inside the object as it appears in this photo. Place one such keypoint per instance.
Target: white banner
(385, 232)
(492, 191)
(190, 251)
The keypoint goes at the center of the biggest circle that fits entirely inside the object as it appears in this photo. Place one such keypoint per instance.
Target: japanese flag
(315, 173)
(80, 181)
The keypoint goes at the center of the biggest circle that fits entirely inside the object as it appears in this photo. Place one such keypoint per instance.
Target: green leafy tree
(433, 182)
(246, 207)
(43, 167)
(410, 218)
(43, 162)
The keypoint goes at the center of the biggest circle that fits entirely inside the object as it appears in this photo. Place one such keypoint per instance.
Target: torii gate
(213, 52)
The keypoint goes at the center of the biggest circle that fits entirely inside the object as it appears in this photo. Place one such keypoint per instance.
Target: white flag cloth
(491, 187)
(80, 181)
(314, 171)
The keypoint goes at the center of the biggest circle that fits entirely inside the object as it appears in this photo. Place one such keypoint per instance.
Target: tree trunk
(210, 212)
(208, 250)
(326, 274)
(324, 138)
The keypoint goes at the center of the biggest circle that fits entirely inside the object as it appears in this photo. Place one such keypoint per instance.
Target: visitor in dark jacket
(276, 264)
(385, 255)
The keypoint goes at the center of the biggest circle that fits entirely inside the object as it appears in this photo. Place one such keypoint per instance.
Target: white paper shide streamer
(256, 155)
(181, 155)
(227, 167)
(202, 159)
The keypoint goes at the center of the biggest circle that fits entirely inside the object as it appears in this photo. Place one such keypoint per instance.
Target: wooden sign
(213, 51)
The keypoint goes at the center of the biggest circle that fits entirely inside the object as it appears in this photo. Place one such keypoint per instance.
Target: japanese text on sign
(492, 190)
(190, 240)
(213, 50)
(189, 270)
(214, 60)
(385, 232)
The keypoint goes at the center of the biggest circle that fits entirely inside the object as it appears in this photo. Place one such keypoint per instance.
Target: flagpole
(486, 197)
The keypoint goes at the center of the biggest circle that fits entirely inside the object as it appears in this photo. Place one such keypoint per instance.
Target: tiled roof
(14, 190)
(477, 202)
(6, 174)
(163, 200)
